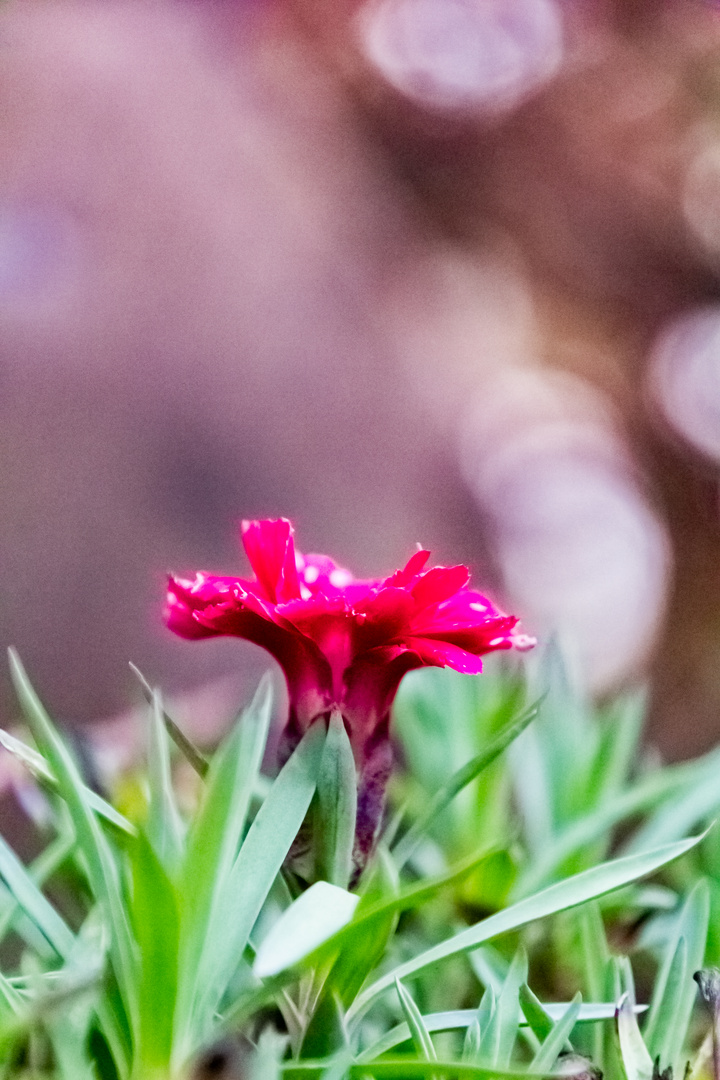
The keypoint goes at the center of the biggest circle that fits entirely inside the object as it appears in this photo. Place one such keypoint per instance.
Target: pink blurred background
(403, 270)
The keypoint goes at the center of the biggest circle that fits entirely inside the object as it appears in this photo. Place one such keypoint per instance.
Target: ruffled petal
(402, 578)
(443, 654)
(270, 547)
(440, 584)
(382, 618)
(180, 612)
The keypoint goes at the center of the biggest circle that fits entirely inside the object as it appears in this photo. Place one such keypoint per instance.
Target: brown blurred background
(437, 270)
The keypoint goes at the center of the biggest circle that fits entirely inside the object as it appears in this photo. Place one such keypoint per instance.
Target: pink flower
(343, 643)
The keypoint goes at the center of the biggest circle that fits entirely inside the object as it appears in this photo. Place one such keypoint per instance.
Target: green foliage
(499, 929)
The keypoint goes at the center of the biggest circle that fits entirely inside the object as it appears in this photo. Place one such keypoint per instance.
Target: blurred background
(402, 270)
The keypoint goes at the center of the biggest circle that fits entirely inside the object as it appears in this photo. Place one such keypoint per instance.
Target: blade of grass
(156, 923)
(674, 992)
(402, 1069)
(636, 1059)
(498, 1038)
(534, 1012)
(193, 756)
(556, 1041)
(418, 1032)
(42, 868)
(101, 867)
(405, 847)
(597, 824)
(578, 889)
(336, 805)
(674, 818)
(164, 825)
(261, 856)
(33, 903)
(595, 959)
(214, 838)
(36, 764)
(458, 1019)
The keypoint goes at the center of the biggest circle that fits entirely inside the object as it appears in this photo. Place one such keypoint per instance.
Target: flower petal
(271, 550)
(443, 654)
(402, 578)
(440, 584)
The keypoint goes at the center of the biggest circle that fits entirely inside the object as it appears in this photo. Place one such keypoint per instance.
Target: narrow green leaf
(261, 856)
(594, 826)
(699, 802)
(215, 835)
(458, 1019)
(557, 1039)
(595, 959)
(316, 914)
(418, 1032)
(33, 903)
(156, 923)
(575, 890)
(636, 1059)
(498, 1038)
(537, 1018)
(101, 867)
(473, 1035)
(405, 847)
(42, 868)
(674, 992)
(36, 764)
(337, 806)
(164, 826)
(338, 1069)
(190, 753)
(360, 953)
(402, 1069)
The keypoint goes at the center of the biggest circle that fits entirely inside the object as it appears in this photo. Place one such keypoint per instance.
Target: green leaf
(674, 992)
(458, 1019)
(587, 885)
(214, 838)
(261, 856)
(405, 847)
(418, 1032)
(190, 753)
(40, 870)
(316, 914)
(498, 1038)
(101, 867)
(586, 830)
(361, 944)
(402, 1069)
(537, 1018)
(336, 806)
(595, 959)
(156, 923)
(33, 903)
(557, 1039)
(360, 953)
(164, 826)
(36, 764)
(636, 1059)
(699, 802)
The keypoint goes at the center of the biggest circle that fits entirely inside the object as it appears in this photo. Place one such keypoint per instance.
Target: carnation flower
(344, 644)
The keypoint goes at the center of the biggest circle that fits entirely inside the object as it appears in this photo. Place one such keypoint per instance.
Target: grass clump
(539, 901)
